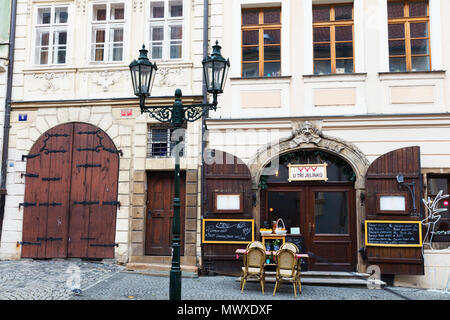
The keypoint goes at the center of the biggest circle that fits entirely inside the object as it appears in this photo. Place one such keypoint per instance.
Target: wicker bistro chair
(289, 246)
(253, 267)
(256, 244)
(287, 268)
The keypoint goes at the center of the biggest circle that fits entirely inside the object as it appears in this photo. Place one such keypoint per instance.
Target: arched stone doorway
(338, 244)
(70, 199)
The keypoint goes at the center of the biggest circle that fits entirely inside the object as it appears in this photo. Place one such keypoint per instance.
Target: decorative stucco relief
(170, 77)
(105, 79)
(49, 82)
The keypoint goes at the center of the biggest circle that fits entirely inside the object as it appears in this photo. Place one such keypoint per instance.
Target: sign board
(393, 233)
(308, 172)
(228, 230)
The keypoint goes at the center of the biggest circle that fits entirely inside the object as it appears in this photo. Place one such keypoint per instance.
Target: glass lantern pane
(219, 69)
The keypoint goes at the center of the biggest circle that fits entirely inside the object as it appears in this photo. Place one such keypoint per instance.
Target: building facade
(83, 162)
(360, 86)
(354, 89)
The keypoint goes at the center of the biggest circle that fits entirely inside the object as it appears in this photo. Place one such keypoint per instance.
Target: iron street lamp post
(215, 69)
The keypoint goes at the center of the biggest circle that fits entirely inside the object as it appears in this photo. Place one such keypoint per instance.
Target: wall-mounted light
(401, 181)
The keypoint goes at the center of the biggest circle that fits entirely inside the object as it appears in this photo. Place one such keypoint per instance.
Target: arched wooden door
(381, 181)
(71, 194)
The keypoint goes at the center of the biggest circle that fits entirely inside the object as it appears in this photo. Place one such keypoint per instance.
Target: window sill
(335, 77)
(261, 80)
(412, 75)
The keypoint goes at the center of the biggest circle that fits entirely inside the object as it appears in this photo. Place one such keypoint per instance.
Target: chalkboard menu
(299, 241)
(228, 230)
(393, 233)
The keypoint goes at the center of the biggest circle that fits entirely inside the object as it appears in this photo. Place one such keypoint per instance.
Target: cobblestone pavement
(53, 279)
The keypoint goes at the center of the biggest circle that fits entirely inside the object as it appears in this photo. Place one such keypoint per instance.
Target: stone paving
(54, 279)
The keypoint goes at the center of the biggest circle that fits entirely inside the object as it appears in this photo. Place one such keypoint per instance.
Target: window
(161, 142)
(261, 42)
(435, 183)
(409, 36)
(51, 35)
(166, 29)
(108, 21)
(333, 38)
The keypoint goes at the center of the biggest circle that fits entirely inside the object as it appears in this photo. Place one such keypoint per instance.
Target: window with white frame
(166, 29)
(108, 21)
(51, 35)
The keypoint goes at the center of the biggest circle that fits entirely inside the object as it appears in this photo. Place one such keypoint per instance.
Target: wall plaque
(308, 172)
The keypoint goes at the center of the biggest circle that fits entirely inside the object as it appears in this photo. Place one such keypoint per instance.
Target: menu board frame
(416, 245)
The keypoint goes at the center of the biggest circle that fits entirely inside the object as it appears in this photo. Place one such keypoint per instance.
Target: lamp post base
(175, 284)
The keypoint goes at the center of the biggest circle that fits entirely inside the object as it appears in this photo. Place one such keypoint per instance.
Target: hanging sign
(308, 172)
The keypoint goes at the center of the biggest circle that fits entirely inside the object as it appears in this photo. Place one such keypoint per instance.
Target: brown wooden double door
(326, 217)
(70, 201)
(158, 238)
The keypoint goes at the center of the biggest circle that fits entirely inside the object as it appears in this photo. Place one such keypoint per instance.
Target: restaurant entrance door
(325, 215)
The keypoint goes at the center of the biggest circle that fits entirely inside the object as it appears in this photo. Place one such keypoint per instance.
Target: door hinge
(30, 156)
(29, 175)
(29, 243)
(86, 203)
(88, 165)
(50, 204)
(104, 244)
(111, 203)
(27, 204)
(51, 179)
(48, 239)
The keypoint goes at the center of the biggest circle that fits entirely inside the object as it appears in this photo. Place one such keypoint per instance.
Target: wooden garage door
(71, 194)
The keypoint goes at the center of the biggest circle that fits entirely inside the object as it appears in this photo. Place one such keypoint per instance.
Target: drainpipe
(205, 100)
(6, 125)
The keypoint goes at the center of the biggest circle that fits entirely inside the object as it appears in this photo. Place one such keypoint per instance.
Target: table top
(298, 255)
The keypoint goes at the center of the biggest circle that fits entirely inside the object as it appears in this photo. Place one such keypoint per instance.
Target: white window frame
(51, 28)
(166, 22)
(107, 25)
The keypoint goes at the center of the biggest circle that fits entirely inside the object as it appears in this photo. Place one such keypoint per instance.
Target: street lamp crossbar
(188, 112)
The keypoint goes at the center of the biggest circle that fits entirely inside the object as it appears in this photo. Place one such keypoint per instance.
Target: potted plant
(276, 244)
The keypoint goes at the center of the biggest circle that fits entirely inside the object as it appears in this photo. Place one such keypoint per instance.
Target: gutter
(6, 125)
(204, 128)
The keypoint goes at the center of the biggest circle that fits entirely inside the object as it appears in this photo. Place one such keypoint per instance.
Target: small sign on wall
(126, 112)
(23, 117)
(308, 172)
